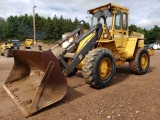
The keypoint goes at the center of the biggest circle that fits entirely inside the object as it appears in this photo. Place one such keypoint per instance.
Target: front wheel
(140, 64)
(99, 67)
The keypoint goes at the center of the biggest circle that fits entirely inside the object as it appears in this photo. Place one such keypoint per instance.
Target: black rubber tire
(90, 68)
(135, 65)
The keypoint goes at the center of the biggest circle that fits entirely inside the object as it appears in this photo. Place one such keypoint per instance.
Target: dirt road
(129, 97)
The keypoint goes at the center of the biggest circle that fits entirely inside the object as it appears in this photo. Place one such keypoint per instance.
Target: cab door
(118, 32)
(125, 29)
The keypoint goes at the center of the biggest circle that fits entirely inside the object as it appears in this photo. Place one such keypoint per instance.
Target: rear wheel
(99, 67)
(140, 64)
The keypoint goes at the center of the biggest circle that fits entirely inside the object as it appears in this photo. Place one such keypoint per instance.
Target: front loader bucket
(35, 81)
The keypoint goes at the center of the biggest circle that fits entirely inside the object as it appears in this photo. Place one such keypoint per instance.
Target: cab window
(124, 21)
(118, 20)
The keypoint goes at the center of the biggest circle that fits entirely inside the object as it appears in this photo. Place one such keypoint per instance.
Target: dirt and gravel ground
(130, 97)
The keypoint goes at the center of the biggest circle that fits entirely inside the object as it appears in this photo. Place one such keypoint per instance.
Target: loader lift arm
(96, 32)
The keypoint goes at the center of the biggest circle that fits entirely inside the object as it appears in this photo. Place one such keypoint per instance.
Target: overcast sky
(143, 13)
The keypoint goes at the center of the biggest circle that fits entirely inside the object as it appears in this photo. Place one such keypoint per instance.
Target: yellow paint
(84, 41)
(141, 43)
(130, 48)
(120, 63)
(137, 35)
(105, 67)
(81, 45)
(144, 61)
(2, 46)
(28, 42)
(151, 52)
(113, 6)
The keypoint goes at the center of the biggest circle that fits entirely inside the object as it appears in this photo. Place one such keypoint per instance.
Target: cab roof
(112, 6)
(15, 40)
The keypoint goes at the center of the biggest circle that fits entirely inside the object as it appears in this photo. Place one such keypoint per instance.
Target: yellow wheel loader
(38, 78)
(7, 48)
(28, 43)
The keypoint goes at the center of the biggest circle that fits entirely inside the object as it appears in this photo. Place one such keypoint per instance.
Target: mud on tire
(140, 64)
(99, 67)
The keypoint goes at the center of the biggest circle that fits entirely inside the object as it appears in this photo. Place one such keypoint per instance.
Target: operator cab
(114, 20)
(104, 16)
(16, 44)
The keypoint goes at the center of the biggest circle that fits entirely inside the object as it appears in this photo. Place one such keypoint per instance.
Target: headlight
(105, 36)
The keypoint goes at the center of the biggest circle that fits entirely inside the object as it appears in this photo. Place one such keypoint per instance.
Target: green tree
(11, 27)
(2, 24)
(133, 27)
(75, 23)
(48, 29)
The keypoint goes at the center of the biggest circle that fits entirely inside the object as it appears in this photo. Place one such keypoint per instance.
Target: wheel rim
(144, 61)
(105, 68)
